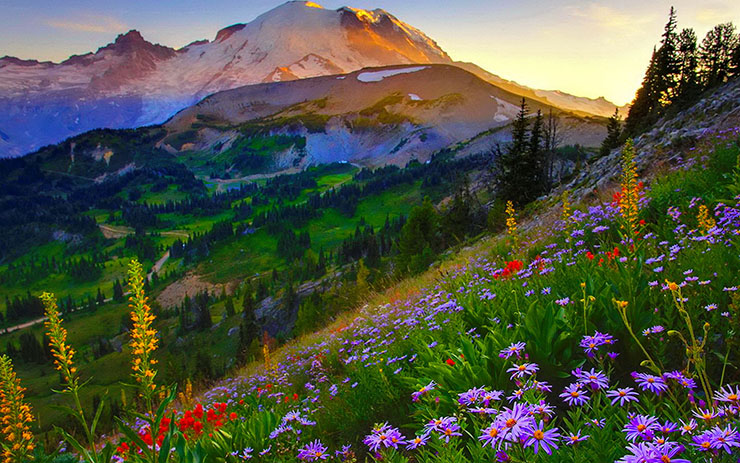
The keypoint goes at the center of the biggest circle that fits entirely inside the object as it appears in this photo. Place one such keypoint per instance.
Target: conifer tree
(667, 62)
(613, 133)
(510, 164)
(688, 87)
(535, 166)
(715, 55)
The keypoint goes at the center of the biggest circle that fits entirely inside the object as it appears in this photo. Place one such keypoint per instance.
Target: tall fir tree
(667, 63)
(613, 133)
(688, 87)
(716, 53)
(510, 165)
(536, 163)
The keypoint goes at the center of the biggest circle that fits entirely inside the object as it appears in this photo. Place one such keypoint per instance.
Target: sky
(587, 48)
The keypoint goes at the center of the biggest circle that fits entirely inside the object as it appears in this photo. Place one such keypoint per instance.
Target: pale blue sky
(589, 48)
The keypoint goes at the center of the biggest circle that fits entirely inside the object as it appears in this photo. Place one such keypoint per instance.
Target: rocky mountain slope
(374, 117)
(131, 82)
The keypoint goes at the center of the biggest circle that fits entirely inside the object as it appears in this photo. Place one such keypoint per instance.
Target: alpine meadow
(319, 236)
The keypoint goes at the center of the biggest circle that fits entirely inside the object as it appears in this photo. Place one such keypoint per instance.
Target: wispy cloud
(88, 23)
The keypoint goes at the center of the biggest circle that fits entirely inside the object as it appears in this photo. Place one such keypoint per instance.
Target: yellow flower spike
(143, 335)
(629, 197)
(17, 446)
(511, 225)
(63, 354)
(706, 223)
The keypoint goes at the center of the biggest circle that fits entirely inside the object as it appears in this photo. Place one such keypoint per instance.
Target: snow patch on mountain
(377, 76)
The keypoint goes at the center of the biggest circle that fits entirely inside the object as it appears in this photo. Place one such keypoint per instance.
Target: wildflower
(490, 435)
(62, 352)
(628, 198)
(687, 428)
(724, 438)
(650, 383)
(595, 379)
(313, 451)
(538, 437)
(385, 436)
(415, 396)
(642, 427)
(573, 395)
(572, 439)
(705, 222)
(418, 441)
(728, 394)
(667, 452)
(448, 428)
(143, 335)
(450, 362)
(511, 223)
(512, 422)
(514, 349)
(519, 371)
(623, 395)
(15, 416)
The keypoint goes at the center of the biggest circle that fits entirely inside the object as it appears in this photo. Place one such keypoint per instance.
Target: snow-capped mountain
(132, 82)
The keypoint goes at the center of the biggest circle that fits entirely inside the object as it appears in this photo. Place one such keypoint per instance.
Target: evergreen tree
(667, 62)
(418, 241)
(510, 165)
(689, 86)
(229, 306)
(716, 53)
(536, 166)
(117, 290)
(613, 133)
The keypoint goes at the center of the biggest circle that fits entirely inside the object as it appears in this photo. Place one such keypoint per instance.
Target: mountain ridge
(132, 82)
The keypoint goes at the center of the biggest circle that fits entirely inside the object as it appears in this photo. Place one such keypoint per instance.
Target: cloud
(88, 23)
(712, 14)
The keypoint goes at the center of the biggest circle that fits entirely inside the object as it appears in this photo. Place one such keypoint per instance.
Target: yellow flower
(143, 335)
(63, 353)
(629, 197)
(17, 445)
(511, 226)
(706, 223)
(671, 286)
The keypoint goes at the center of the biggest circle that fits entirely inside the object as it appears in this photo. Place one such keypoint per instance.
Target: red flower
(590, 255)
(450, 362)
(123, 448)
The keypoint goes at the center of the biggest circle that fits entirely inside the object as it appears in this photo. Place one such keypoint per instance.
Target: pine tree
(688, 87)
(716, 53)
(229, 306)
(536, 164)
(667, 62)
(613, 133)
(510, 163)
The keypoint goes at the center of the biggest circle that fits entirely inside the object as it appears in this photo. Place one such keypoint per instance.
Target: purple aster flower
(650, 383)
(705, 414)
(518, 371)
(641, 453)
(668, 427)
(623, 395)
(724, 438)
(563, 302)
(681, 379)
(703, 441)
(513, 421)
(594, 379)
(313, 452)
(641, 427)
(514, 349)
(573, 439)
(470, 397)
(417, 441)
(667, 452)
(574, 395)
(540, 438)
(448, 428)
(415, 396)
(688, 428)
(728, 394)
(490, 435)
(384, 435)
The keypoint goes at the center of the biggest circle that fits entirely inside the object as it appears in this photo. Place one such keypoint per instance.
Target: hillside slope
(374, 117)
